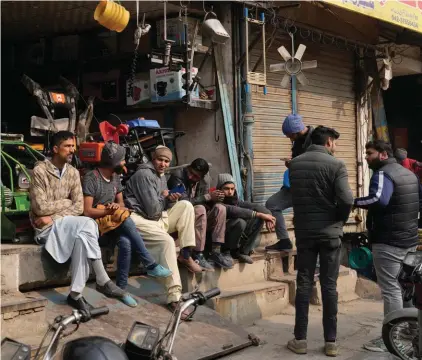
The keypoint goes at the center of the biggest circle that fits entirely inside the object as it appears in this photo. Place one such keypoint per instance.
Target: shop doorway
(403, 106)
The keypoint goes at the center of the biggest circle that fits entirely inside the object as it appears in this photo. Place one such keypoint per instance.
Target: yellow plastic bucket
(112, 15)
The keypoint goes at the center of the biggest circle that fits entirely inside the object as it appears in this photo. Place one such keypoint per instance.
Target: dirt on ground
(358, 322)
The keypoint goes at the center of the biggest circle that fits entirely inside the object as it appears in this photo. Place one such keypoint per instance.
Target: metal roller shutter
(328, 100)
(269, 143)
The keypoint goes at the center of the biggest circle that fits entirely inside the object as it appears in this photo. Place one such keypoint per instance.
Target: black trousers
(329, 252)
(243, 234)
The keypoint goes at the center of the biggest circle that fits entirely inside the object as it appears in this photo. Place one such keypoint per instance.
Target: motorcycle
(401, 330)
(142, 343)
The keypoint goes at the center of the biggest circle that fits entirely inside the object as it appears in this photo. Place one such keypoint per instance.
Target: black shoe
(281, 245)
(111, 289)
(220, 260)
(80, 304)
(243, 258)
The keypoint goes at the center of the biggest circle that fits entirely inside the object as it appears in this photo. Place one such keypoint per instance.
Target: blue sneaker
(129, 300)
(159, 272)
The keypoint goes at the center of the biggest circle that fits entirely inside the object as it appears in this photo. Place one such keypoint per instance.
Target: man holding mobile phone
(148, 197)
(300, 136)
(210, 214)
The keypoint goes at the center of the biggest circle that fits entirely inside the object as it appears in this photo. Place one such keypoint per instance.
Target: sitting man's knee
(124, 244)
(200, 210)
(220, 208)
(240, 224)
(186, 206)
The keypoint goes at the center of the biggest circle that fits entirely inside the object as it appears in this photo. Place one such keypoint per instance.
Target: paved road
(358, 322)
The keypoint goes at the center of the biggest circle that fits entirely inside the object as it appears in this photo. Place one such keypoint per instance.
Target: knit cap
(293, 124)
(112, 155)
(224, 179)
(400, 154)
(161, 150)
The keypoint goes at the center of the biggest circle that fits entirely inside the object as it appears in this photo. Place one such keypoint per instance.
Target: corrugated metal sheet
(328, 100)
(270, 145)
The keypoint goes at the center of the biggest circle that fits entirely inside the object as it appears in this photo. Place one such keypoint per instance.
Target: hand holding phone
(179, 189)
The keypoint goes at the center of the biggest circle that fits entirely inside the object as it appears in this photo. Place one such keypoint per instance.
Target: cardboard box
(168, 85)
(141, 90)
(176, 31)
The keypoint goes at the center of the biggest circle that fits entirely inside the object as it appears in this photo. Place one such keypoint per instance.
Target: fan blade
(302, 78)
(309, 64)
(278, 67)
(285, 81)
(300, 51)
(284, 53)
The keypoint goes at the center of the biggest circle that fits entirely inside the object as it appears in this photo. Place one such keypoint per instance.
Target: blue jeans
(128, 238)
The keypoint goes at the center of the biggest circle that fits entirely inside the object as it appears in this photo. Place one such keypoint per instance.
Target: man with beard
(56, 203)
(103, 201)
(244, 221)
(148, 196)
(210, 216)
(300, 136)
(393, 206)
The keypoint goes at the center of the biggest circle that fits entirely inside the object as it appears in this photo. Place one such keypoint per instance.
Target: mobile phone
(180, 189)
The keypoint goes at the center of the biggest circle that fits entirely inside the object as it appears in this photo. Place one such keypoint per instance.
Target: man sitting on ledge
(209, 215)
(147, 196)
(56, 203)
(245, 221)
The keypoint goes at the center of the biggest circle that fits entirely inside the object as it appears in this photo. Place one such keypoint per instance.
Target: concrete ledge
(346, 286)
(18, 302)
(247, 303)
(29, 267)
(368, 289)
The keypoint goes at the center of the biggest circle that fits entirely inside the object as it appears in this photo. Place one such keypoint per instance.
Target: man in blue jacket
(393, 206)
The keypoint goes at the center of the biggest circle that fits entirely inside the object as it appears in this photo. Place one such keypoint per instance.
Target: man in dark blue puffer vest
(393, 205)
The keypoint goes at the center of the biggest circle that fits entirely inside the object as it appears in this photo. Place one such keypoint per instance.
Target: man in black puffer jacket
(393, 205)
(322, 201)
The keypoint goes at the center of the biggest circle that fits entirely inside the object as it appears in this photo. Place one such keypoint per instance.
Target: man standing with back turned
(322, 201)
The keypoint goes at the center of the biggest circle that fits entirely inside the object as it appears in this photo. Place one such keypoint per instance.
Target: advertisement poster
(404, 13)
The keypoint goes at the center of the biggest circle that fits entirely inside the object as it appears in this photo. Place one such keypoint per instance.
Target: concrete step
(246, 303)
(18, 309)
(225, 279)
(346, 286)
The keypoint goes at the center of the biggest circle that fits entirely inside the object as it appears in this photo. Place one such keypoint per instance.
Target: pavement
(358, 322)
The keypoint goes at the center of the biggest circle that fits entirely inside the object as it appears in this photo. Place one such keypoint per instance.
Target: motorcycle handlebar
(211, 293)
(104, 310)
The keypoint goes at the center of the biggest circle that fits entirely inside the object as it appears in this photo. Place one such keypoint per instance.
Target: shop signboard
(404, 13)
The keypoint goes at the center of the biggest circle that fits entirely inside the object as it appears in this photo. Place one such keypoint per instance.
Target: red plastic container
(90, 152)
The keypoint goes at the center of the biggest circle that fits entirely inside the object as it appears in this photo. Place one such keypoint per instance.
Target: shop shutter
(327, 100)
(269, 143)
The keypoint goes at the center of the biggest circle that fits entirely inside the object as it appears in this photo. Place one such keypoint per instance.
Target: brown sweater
(53, 196)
